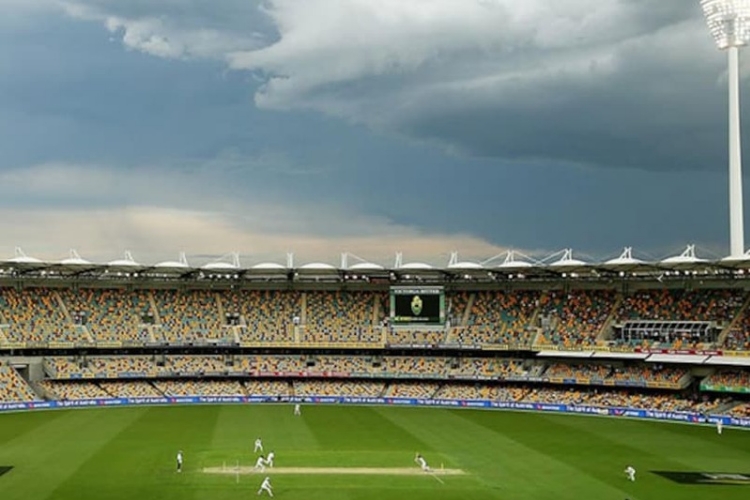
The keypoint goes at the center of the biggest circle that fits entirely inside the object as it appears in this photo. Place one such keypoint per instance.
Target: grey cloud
(607, 83)
(189, 29)
(642, 94)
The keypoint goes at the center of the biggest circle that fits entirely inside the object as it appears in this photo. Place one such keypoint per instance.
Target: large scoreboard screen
(418, 305)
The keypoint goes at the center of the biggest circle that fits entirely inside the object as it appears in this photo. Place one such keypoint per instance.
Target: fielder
(258, 446)
(630, 471)
(266, 486)
(179, 461)
(269, 459)
(260, 464)
(719, 427)
(297, 410)
(419, 459)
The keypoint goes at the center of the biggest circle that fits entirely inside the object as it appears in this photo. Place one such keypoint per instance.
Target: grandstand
(110, 316)
(645, 346)
(264, 317)
(342, 317)
(494, 317)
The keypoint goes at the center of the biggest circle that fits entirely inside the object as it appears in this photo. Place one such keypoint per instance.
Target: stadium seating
(322, 388)
(578, 371)
(576, 317)
(35, 315)
(421, 337)
(266, 315)
(268, 388)
(716, 306)
(740, 411)
(74, 390)
(189, 317)
(130, 389)
(503, 319)
(437, 367)
(497, 318)
(13, 388)
(738, 337)
(341, 317)
(681, 305)
(411, 390)
(732, 380)
(200, 388)
(649, 374)
(110, 315)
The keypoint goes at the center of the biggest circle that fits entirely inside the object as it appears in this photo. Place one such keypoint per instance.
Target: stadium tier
(575, 318)
(13, 387)
(495, 318)
(338, 317)
(420, 343)
(109, 315)
(425, 368)
(265, 317)
(518, 381)
(679, 319)
(598, 319)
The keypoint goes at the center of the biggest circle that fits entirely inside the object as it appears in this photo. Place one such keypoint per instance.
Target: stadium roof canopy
(511, 265)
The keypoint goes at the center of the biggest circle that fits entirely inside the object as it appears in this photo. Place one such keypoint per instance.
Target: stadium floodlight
(729, 24)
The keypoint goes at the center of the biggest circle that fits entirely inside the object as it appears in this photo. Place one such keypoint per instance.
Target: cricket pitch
(363, 471)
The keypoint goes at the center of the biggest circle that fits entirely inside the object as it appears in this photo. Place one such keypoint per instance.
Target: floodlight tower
(729, 24)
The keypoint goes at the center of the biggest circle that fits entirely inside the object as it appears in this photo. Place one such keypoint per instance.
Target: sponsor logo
(416, 305)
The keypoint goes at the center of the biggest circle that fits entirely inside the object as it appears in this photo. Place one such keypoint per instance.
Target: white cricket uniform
(422, 462)
(258, 446)
(179, 461)
(269, 459)
(266, 486)
(297, 410)
(719, 426)
(630, 471)
(260, 464)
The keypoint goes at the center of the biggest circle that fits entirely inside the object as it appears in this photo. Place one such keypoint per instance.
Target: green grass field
(129, 453)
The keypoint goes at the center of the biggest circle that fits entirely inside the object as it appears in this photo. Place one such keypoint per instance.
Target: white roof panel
(269, 266)
(728, 361)
(123, 263)
(620, 355)
(416, 266)
(73, 261)
(465, 265)
(366, 266)
(677, 358)
(515, 264)
(318, 266)
(687, 259)
(172, 265)
(219, 266)
(565, 354)
(568, 263)
(24, 259)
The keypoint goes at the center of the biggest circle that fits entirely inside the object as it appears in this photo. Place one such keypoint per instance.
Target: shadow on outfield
(4, 469)
(706, 478)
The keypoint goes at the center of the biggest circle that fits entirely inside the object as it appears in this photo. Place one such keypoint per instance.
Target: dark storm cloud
(634, 87)
(424, 125)
(611, 83)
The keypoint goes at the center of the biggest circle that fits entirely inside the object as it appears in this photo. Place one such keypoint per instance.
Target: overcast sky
(369, 126)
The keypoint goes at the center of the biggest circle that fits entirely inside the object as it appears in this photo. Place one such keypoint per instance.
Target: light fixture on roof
(729, 24)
